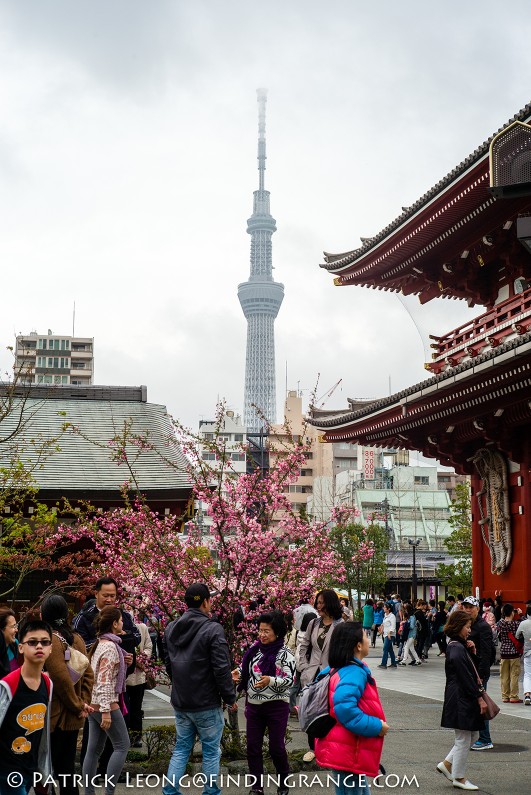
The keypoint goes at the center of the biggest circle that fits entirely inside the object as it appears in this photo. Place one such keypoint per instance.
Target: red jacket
(354, 702)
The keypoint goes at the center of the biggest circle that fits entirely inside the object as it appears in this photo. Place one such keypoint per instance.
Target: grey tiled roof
(85, 464)
(335, 261)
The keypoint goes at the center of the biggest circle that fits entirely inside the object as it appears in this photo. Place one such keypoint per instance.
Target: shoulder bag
(492, 708)
(76, 662)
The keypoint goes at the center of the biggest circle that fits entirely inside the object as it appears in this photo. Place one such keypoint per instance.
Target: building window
(421, 480)
(208, 456)
(238, 437)
(78, 365)
(237, 456)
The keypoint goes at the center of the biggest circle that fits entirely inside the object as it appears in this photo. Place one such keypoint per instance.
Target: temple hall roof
(83, 460)
(448, 243)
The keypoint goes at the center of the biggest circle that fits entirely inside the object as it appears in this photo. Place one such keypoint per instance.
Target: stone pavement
(412, 699)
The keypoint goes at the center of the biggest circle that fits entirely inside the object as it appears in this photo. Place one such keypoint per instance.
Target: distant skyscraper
(260, 298)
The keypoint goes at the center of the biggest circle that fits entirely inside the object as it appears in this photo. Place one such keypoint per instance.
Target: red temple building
(467, 238)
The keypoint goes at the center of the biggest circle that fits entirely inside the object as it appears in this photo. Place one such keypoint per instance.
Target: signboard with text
(368, 463)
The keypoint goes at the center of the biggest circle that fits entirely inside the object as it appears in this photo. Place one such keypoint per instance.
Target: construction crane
(327, 395)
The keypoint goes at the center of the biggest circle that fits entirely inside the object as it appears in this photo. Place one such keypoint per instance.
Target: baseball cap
(472, 601)
(197, 593)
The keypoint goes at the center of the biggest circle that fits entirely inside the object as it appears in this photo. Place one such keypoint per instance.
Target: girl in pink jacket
(354, 745)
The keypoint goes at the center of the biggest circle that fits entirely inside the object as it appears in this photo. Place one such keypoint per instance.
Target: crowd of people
(90, 676)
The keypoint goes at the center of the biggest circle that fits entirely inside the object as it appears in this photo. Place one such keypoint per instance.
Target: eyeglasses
(265, 631)
(34, 642)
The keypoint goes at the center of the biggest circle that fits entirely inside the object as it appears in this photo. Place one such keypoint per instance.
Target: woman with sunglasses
(8, 642)
(266, 676)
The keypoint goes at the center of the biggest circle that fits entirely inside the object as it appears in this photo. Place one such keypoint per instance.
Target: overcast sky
(128, 162)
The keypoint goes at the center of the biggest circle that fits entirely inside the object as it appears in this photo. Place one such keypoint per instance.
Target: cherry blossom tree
(257, 549)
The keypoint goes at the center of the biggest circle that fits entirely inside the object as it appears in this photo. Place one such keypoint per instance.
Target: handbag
(492, 708)
(76, 662)
(151, 682)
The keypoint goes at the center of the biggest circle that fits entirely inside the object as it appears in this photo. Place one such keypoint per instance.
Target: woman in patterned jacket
(109, 664)
(266, 676)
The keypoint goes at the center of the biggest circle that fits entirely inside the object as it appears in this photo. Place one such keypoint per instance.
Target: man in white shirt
(388, 633)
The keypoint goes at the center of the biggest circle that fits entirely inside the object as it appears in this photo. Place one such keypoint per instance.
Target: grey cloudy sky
(128, 160)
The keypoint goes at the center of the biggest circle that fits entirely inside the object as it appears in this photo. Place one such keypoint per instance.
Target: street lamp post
(385, 508)
(414, 544)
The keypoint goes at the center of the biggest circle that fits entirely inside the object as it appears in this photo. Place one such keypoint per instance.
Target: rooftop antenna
(262, 100)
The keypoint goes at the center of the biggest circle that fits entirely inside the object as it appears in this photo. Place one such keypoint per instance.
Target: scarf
(120, 679)
(269, 653)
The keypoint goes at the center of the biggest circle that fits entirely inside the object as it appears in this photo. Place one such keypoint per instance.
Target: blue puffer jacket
(353, 743)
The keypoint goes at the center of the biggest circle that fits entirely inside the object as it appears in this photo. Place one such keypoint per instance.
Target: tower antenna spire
(260, 298)
(262, 102)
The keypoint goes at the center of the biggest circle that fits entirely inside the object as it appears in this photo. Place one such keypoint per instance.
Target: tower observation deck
(260, 298)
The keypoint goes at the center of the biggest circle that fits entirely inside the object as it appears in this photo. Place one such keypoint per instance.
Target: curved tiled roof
(336, 261)
(345, 418)
(83, 461)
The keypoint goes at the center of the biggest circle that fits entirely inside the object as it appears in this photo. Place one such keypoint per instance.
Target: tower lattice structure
(260, 298)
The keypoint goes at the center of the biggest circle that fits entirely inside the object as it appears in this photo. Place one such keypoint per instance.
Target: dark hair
(450, 598)
(33, 624)
(343, 642)
(331, 602)
(106, 618)
(105, 581)
(456, 621)
(276, 621)
(432, 602)
(528, 610)
(442, 605)
(54, 610)
(507, 609)
(5, 612)
(460, 597)
(103, 623)
(369, 602)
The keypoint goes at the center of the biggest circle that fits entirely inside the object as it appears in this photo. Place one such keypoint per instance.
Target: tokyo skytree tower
(260, 299)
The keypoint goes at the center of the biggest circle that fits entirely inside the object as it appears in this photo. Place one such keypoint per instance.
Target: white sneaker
(464, 784)
(309, 756)
(441, 767)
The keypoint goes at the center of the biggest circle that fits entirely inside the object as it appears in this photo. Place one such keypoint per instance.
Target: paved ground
(412, 699)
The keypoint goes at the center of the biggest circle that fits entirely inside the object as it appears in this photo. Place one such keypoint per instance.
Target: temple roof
(84, 460)
(344, 418)
(407, 254)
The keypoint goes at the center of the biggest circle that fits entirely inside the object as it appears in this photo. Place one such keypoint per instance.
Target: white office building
(54, 359)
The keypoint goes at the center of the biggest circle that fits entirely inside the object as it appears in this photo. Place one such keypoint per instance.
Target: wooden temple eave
(444, 416)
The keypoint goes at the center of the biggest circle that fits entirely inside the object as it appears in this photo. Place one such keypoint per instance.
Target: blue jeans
(484, 735)
(17, 787)
(208, 724)
(388, 650)
(350, 783)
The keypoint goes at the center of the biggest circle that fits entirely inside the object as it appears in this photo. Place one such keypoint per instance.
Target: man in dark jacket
(481, 635)
(106, 594)
(198, 664)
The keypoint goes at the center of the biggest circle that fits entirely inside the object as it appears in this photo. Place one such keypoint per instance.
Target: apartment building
(232, 433)
(54, 359)
(318, 458)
